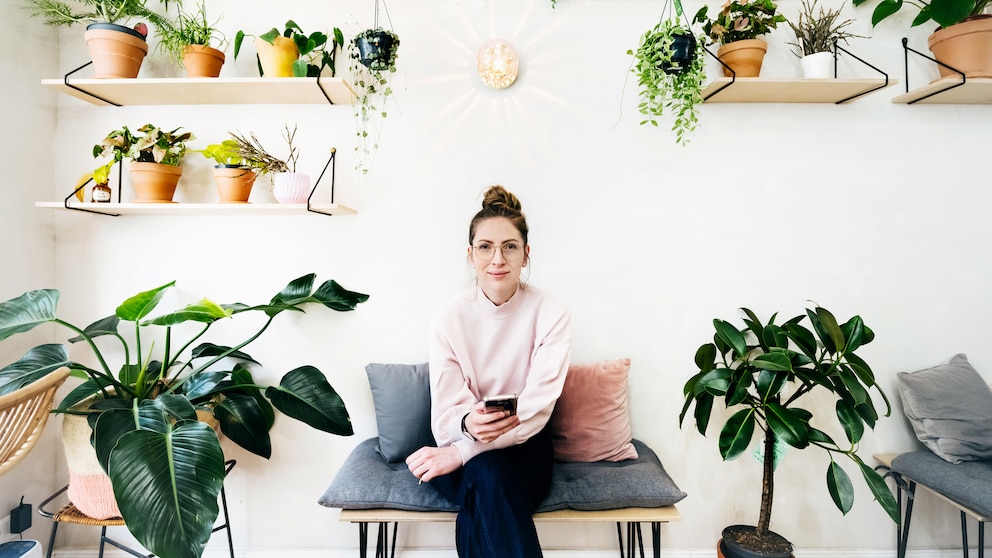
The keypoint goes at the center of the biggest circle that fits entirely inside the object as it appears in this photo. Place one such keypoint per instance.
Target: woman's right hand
(486, 427)
(429, 462)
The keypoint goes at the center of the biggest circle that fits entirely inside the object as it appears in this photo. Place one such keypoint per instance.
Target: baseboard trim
(449, 553)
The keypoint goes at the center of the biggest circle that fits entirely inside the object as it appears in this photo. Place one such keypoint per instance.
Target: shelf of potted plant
(770, 90)
(201, 208)
(950, 90)
(207, 91)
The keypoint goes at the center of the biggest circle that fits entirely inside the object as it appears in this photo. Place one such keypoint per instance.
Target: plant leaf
(840, 487)
(786, 426)
(854, 427)
(736, 434)
(27, 311)
(731, 336)
(33, 366)
(305, 394)
(243, 422)
(141, 304)
(167, 485)
(880, 490)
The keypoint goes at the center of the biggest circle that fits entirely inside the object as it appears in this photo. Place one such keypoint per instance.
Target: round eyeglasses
(509, 250)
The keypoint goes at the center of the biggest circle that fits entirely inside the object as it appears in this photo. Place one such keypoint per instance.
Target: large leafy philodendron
(761, 371)
(167, 467)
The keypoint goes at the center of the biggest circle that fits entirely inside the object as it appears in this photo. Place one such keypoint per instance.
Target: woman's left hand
(428, 463)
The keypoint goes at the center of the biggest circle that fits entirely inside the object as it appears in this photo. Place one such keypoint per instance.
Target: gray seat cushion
(367, 481)
(968, 483)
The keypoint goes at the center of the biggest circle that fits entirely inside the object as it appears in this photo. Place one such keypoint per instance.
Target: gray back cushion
(401, 395)
(950, 408)
(367, 481)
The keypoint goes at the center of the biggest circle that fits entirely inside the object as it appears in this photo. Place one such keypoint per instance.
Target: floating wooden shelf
(207, 91)
(201, 208)
(770, 90)
(945, 91)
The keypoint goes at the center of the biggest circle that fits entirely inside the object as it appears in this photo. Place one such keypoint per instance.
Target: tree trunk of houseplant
(202, 61)
(744, 57)
(116, 51)
(966, 46)
(745, 541)
(154, 182)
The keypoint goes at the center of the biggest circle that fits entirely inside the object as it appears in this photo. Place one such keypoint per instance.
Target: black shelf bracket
(733, 74)
(859, 59)
(906, 50)
(65, 202)
(330, 163)
(65, 79)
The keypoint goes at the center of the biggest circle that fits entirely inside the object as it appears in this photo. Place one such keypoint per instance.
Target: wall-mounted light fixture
(498, 64)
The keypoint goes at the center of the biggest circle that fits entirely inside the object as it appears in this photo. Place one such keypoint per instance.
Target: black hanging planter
(683, 53)
(376, 49)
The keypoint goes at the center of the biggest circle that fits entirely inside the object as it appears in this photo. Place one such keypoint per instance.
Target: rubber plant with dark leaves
(166, 467)
(763, 370)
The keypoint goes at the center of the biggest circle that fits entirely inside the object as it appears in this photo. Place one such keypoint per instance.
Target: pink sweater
(477, 349)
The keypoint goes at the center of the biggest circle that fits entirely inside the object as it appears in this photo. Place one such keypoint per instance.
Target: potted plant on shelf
(670, 70)
(116, 50)
(816, 34)
(293, 53)
(373, 58)
(155, 156)
(192, 42)
(761, 372)
(233, 174)
(737, 28)
(144, 384)
(963, 40)
(288, 186)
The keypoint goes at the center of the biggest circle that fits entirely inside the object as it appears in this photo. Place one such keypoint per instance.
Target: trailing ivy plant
(370, 71)
(664, 87)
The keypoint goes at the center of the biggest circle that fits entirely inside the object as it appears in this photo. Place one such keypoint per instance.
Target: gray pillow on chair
(401, 394)
(950, 408)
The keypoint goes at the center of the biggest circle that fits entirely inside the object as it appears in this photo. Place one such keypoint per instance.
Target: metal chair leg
(964, 534)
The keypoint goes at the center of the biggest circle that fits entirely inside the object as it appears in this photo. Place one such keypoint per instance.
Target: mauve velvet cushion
(950, 408)
(401, 394)
(591, 421)
(366, 481)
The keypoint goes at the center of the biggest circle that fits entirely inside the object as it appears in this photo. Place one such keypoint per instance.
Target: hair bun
(496, 197)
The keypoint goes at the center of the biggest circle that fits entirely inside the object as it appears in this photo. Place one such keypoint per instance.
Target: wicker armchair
(23, 415)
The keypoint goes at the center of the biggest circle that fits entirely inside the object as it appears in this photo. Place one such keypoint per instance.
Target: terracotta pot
(233, 183)
(89, 486)
(202, 61)
(277, 58)
(966, 46)
(291, 187)
(154, 182)
(744, 57)
(116, 51)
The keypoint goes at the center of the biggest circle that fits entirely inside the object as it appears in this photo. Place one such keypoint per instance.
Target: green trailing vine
(371, 80)
(679, 93)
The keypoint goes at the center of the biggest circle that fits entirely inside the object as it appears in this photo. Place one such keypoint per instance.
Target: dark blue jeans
(498, 492)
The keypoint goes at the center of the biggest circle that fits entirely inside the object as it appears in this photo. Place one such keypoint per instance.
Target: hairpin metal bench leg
(656, 538)
(363, 539)
(620, 538)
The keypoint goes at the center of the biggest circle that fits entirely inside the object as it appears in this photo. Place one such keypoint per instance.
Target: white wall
(26, 236)
(869, 208)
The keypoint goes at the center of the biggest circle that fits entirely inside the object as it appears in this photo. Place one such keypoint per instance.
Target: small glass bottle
(101, 193)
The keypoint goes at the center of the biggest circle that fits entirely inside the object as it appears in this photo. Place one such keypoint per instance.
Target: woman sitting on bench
(499, 337)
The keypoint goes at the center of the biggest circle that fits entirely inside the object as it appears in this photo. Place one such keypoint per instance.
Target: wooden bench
(905, 483)
(632, 517)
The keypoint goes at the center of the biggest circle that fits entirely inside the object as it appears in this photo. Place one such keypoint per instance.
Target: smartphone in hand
(503, 402)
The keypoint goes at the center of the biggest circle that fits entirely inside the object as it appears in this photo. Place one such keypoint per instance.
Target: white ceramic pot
(291, 187)
(819, 65)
